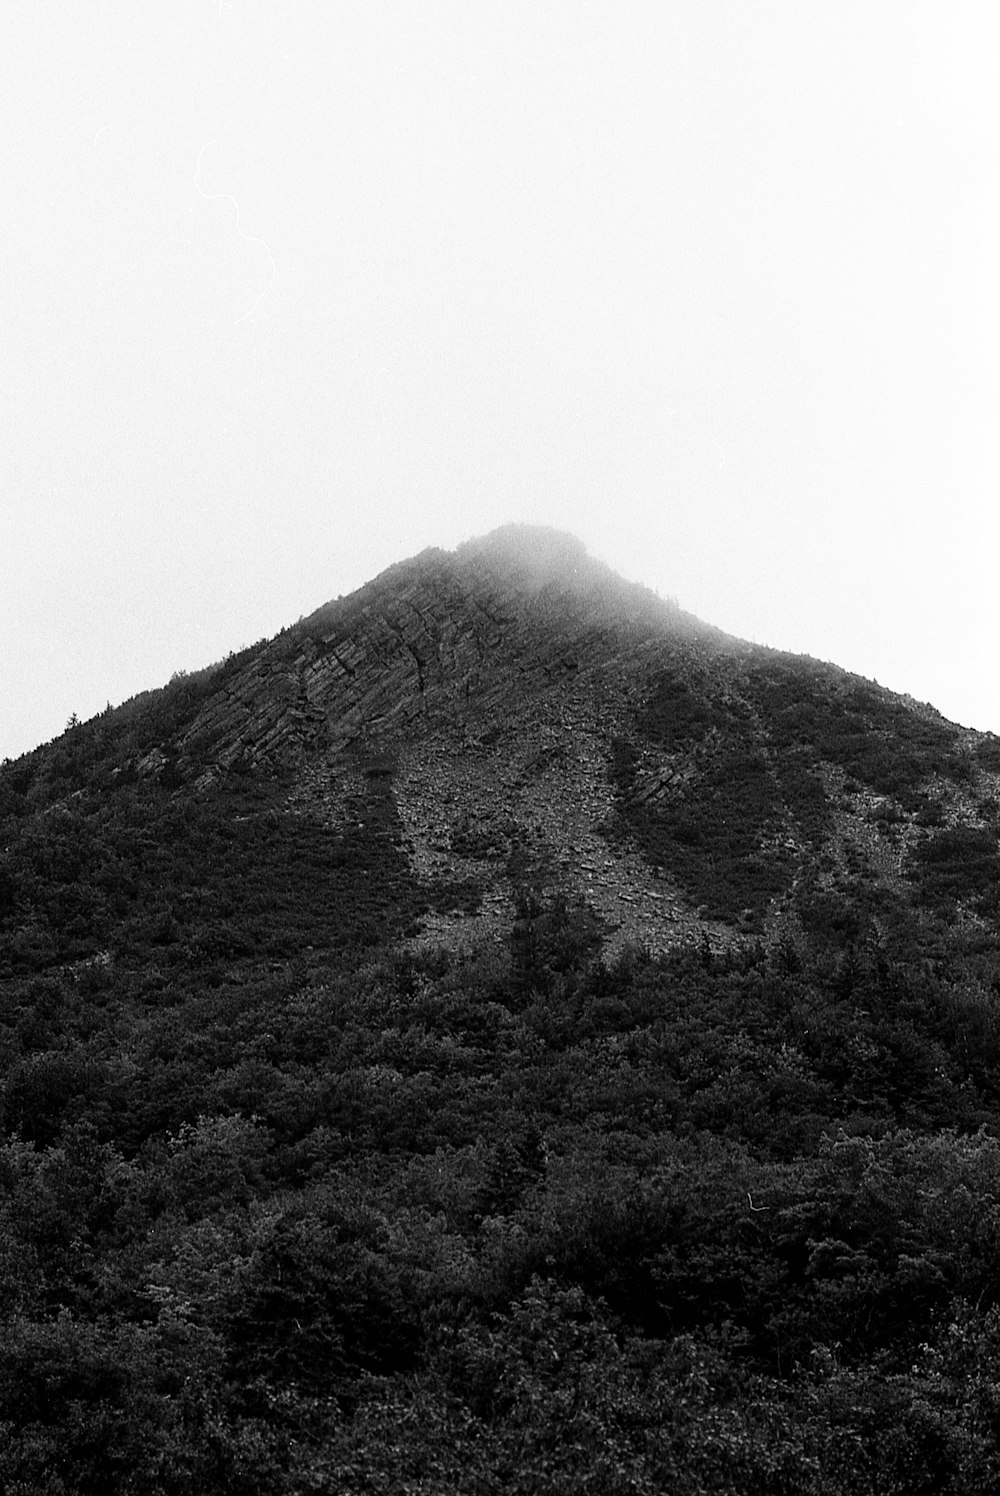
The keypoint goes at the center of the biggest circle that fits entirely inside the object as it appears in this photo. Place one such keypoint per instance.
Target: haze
(292, 291)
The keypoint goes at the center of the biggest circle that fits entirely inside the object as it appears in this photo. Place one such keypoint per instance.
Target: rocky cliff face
(442, 640)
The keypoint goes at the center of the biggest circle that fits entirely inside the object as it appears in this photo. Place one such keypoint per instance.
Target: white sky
(290, 289)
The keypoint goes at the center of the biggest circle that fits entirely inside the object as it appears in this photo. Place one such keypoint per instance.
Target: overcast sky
(294, 288)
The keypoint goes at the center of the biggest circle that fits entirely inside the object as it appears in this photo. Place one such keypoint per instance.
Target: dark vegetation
(874, 736)
(281, 1211)
(734, 827)
(285, 1209)
(959, 862)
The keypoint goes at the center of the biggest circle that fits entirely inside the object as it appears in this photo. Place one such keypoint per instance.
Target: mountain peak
(539, 550)
(538, 558)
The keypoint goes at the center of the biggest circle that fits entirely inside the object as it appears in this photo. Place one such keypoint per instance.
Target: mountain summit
(531, 549)
(539, 556)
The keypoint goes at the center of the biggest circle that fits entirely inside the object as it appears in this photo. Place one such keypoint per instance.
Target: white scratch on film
(227, 197)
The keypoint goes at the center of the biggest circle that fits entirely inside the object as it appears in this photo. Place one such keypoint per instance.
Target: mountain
(514, 712)
(502, 1033)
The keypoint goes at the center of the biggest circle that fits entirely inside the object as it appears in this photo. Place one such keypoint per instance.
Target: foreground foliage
(280, 1212)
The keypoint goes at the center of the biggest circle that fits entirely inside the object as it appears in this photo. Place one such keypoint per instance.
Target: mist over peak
(537, 548)
(539, 558)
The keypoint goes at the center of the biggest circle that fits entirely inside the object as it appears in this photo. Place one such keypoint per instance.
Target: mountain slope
(502, 1034)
